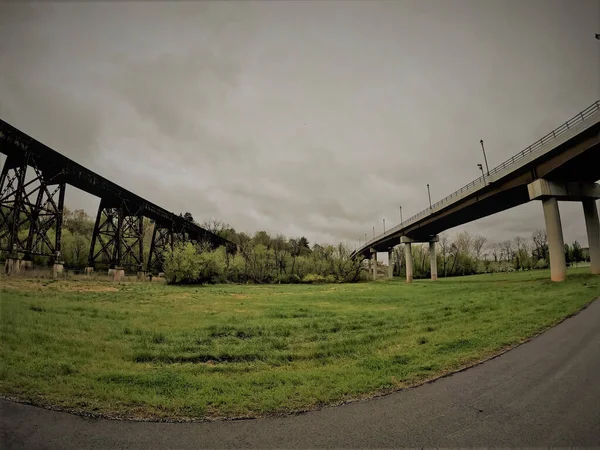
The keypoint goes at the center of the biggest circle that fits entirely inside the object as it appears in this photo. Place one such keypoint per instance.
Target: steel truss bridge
(32, 192)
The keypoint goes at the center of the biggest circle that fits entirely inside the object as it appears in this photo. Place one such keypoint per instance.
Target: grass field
(148, 350)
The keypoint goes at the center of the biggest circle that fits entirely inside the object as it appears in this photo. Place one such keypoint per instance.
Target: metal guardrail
(557, 132)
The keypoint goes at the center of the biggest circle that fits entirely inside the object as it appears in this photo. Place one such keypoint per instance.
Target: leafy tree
(576, 252)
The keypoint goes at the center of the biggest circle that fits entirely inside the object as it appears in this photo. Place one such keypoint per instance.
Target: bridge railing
(554, 134)
(565, 127)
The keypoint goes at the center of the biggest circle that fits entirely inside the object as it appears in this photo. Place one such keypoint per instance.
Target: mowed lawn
(148, 350)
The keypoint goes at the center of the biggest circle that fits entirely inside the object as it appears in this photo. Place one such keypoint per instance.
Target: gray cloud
(313, 118)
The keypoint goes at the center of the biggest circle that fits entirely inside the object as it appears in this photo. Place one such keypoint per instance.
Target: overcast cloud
(305, 118)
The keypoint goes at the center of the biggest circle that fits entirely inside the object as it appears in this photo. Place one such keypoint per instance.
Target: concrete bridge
(564, 165)
(32, 190)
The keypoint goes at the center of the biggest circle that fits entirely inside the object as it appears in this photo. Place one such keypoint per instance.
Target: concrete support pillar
(374, 265)
(592, 224)
(26, 264)
(118, 274)
(141, 275)
(391, 263)
(57, 269)
(12, 266)
(89, 270)
(556, 245)
(409, 262)
(433, 261)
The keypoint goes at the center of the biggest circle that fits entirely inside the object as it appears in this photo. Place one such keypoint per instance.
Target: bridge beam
(592, 224)
(542, 188)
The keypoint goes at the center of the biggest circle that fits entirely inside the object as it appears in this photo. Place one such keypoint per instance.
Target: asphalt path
(543, 393)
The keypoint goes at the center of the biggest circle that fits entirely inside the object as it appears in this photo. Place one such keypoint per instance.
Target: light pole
(482, 174)
(429, 194)
(401, 221)
(373, 232)
(487, 169)
(383, 226)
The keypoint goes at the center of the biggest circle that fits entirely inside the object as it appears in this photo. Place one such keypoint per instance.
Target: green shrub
(313, 278)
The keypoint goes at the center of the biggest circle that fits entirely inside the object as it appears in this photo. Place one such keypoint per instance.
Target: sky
(314, 118)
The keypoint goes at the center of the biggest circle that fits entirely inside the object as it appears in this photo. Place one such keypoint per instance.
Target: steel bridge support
(162, 240)
(29, 210)
(117, 239)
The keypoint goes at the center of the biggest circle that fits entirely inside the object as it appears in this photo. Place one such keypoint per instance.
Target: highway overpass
(564, 165)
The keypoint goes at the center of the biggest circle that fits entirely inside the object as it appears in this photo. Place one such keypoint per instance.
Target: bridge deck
(585, 120)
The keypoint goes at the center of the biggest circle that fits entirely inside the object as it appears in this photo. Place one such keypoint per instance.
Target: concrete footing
(26, 264)
(12, 266)
(57, 269)
(89, 270)
(592, 225)
(141, 275)
(118, 273)
(556, 245)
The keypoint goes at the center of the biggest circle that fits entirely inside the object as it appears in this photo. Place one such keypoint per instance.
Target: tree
(540, 242)
(445, 247)
(478, 243)
(304, 248)
(215, 226)
(568, 254)
(188, 216)
(576, 252)
(77, 222)
(520, 260)
(262, 238)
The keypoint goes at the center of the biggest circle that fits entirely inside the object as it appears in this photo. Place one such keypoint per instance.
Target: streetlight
(401, 221)
(373, 232)
(429, 193)
(484, 158)
(482, 174)
(383, 226)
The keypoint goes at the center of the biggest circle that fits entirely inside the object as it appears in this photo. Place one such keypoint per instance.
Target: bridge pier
(374, 263)
(391, 263)
(432, 261)
(592, 225)
(408, 260)
(549, 192)
(556, 244)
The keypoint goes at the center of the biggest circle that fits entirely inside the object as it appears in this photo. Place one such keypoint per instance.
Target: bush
(185, 265)
(313, 278)
(541, 264)
(286, 278)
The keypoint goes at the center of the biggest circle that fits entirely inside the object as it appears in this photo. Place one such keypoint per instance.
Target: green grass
(156, 351)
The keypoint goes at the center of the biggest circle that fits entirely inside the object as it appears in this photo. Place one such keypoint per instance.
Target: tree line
(262, 258)
(468, 254)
